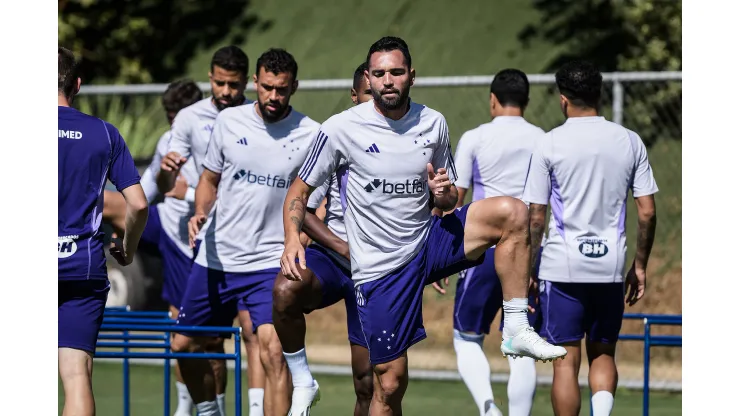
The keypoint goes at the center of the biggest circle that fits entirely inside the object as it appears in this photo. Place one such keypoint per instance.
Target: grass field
(422, 397)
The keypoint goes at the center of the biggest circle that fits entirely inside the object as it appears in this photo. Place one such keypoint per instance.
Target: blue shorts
(479, 297)
(390, 307)
(80, 312)
(572, 310)
(336, 284)
(176, 265)
(214, 298)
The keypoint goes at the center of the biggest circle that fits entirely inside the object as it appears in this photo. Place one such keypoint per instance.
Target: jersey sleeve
(214, 160)
(464, 157)
(537, 188)
(442, 157)
(324, 157)
(122, 171)
(643, 182)
(149, 184)
(318, 194)
(149, 178)
(180, 134)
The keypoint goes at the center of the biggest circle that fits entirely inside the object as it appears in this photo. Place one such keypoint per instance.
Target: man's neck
(582, 112)
(63, 102)
(396, 114)
(507, 111)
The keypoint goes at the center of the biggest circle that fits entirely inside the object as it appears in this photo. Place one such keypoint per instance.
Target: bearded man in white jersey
(584, 170)
(493, 159)
(326, 281)
(396, 152)
(254, 152)
(189, 138)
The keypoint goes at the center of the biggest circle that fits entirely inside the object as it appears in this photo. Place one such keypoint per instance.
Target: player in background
(326, 281)
(396, 152)
(166, 232)
(254, 153)
(584, 170)
(494, 159)
(189, 138)
(83, 278)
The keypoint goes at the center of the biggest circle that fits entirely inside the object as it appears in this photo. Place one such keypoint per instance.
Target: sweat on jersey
(585, 170)
(387, 195)
(106, 157)
(257, 162)
(494, 157)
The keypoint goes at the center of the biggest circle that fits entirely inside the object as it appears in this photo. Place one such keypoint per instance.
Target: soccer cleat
(304, 398)
(491, 409)
(526, 343)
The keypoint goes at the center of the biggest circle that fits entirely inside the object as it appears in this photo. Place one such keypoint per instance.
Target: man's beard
(388, 103)
(232, 102)
(269, 115)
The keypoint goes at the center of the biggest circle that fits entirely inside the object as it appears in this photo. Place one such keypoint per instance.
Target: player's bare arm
(137, 213)
(169, 170)
(647, 221)
(315, 228)
(205, 197)
(294, 214)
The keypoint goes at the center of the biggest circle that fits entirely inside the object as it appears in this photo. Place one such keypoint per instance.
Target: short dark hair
(511, 88)
(68, 67)
(231, 58)
(359, 74)
(387, 44)
(277, 61)
(181, 94)
(580, 82)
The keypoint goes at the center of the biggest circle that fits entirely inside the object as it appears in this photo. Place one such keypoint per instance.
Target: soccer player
(584, 170)
(396, 152)
(493, 158)
(254, 153)
(166, 230)
(83, 277)
(189, 138)
(326, 281)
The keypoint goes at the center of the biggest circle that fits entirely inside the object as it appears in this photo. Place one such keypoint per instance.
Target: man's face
(227, 87)
(390, 79)
(273, 93)
(362, 93)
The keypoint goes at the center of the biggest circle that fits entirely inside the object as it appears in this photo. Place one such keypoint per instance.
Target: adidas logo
(372, 149)
(243, 141)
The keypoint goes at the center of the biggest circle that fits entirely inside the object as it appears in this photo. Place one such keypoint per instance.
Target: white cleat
(492, 410)
(526, 343)
(304, 398)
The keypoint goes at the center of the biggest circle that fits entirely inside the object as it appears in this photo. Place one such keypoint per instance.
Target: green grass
(422, 398)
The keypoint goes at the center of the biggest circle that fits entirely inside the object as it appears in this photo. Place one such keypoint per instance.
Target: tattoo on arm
(537, 214)
(645, 237)
(297, 207)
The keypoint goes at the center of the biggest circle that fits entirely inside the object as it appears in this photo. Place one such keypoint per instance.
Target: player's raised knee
(285, 293)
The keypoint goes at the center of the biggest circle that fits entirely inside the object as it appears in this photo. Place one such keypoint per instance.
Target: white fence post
(617, 101)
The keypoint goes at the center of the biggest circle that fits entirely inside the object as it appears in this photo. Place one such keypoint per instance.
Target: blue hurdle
(121, 319)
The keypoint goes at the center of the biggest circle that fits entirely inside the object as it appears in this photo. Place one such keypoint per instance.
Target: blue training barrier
(123, 321)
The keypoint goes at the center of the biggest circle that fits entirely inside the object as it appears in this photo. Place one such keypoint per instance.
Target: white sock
(521, 387)
(515, 316)
(256, 402)
(602, 403)
(184, 402)
(474, 368)
(208, 409)
(298, 366)
(221, 400)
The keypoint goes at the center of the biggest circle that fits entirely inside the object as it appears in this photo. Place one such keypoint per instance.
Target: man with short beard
(189, 138)
(254, 153)
(397, 151)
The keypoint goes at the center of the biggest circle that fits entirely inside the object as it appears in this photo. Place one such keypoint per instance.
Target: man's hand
(172, 162)
(439, 182)
(118, 253)
(194, 226)
(635, 285)
(180, 189)
(293, 250)
(439, 285)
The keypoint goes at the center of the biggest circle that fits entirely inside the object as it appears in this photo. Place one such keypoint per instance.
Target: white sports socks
(474, 368)
(515, 316)
(602, 403)
(256, 402)
(522, 385)
(298, 366)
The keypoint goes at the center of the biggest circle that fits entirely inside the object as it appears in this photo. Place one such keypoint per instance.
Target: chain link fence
(648, 103)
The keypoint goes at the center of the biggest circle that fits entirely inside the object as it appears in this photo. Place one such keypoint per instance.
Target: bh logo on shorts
(360, 298)
(593, 248)
(66, 246)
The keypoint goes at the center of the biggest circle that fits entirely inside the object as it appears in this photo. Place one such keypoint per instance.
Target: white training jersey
(257, 162)
(174, 214)
(388, 214)
(190, 135)
(585, 170)
(334, 189)
(494, 157)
